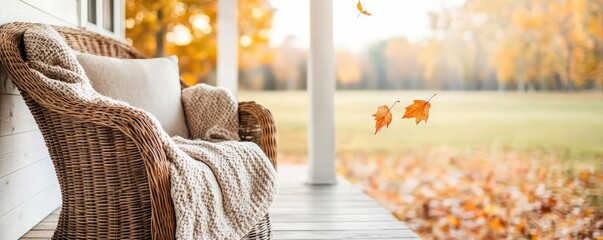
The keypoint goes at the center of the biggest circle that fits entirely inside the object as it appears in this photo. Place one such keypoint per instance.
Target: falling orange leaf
(362, 11)
(418, 110)
(383, 116)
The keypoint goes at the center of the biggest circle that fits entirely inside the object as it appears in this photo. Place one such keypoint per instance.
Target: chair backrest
(108, 190)
(94, 43)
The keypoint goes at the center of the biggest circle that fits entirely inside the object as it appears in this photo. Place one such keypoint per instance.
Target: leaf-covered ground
(443, 194)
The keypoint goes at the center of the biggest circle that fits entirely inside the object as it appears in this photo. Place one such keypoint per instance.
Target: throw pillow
(150, 84)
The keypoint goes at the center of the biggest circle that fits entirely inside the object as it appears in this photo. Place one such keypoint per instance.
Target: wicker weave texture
(112, 171)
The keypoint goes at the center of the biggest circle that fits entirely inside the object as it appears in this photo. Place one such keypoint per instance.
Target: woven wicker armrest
(109, 159)
(125, 173)
(257, 125)
(123, 166)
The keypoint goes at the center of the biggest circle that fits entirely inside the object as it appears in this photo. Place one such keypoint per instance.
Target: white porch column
(321, 90)
(228, 45)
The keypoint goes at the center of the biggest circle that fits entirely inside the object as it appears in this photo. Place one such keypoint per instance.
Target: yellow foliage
(188, 29)
(534, 42)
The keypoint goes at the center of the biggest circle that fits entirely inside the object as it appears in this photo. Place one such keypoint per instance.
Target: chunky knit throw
(220, 190)
(211, 113)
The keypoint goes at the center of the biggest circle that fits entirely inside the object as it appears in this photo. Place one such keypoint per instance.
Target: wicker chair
(114, 179)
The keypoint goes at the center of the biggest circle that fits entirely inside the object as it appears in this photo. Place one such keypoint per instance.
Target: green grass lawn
(569, 125)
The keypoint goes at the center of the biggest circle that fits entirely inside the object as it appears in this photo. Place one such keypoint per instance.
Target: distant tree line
(502, 45)
(520, 45)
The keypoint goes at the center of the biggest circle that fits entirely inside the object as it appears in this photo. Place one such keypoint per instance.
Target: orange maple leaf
(362, 11)
(418, 110)
(383, 117)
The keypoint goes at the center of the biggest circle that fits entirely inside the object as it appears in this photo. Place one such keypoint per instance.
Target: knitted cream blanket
(220, 190)
(246, 180)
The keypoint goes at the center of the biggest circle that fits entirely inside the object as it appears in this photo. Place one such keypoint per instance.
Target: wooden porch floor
(309, 212)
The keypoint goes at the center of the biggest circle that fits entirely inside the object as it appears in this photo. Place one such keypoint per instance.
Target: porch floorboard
(308, 212)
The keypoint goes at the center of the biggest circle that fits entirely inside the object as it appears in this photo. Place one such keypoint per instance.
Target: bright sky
(390, 18)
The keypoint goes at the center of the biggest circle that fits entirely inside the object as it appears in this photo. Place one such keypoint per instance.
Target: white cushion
(150, 84)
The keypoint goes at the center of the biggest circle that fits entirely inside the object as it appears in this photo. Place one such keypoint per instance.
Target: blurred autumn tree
(521, 45)
(527, 44)
(188, 28)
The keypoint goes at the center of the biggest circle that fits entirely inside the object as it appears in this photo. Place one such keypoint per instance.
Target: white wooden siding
(65, 10)
(42, 11)
(29, 190)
